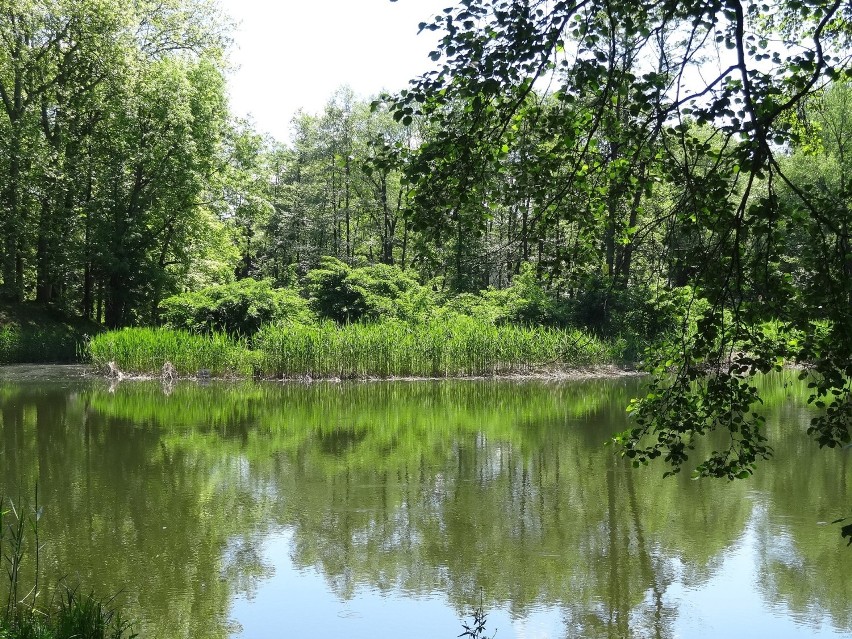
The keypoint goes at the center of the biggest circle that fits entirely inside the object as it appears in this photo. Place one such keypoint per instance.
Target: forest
(669, 178)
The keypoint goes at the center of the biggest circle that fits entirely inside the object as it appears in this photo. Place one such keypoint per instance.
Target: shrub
(240, 308)
(526, 302)
(37, 344)
(344, 294)
(640, 315)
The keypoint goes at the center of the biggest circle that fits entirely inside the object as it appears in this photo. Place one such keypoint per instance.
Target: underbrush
(34, 334)
(41, 344)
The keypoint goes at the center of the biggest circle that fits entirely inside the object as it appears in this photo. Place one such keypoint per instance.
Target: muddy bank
(43, 372)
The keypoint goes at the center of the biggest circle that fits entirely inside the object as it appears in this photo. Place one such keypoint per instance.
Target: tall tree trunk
(13, 288)
(44, 256)
(87, 304)
(349, 252)
(387, 225)
(625, 260)
(404, 255)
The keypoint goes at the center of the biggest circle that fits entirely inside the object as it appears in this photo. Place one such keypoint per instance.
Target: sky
(292, 54)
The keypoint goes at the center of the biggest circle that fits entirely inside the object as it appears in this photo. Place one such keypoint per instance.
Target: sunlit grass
(147, 350)
(462, 348)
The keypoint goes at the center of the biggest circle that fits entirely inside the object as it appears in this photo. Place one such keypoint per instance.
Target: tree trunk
(13, 288)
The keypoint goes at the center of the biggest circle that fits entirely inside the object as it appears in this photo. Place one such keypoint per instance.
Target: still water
(388, 509)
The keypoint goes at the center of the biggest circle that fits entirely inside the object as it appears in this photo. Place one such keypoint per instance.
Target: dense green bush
(527, 302)
(640, 315)
(480, 306)
(345, 294)
(240, 308)
(32, 333)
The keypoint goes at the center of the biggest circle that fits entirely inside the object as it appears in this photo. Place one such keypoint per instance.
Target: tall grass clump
(28, 344)
(23, 613)
(454, 346)
(147, 350)
(461, 346)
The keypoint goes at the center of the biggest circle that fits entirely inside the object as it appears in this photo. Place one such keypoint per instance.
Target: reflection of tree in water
(126, 515)
(529, 529)
(804, 563)
(416, 487)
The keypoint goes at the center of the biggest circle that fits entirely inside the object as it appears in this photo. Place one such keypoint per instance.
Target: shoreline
(59, 372)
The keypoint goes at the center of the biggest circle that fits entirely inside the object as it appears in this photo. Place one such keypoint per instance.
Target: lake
(387, 509)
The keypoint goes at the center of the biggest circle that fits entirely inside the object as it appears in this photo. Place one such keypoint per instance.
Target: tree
(56, 54)
(110, 119)
(157, 162)
(639, 117)
(247, 180)
(338, 191)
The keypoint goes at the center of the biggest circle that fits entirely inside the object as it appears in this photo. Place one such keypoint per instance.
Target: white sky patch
(292, 54)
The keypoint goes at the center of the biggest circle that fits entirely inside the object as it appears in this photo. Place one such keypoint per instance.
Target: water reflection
(300, 505)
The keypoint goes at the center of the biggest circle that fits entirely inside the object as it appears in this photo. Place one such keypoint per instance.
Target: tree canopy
(110, 125)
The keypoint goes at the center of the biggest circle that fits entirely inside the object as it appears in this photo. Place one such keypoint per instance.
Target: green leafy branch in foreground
(707, 385)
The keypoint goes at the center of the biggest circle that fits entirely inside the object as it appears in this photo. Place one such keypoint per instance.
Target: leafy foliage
(241, 308)
(344, 294)
(632, 166)
(110, 123)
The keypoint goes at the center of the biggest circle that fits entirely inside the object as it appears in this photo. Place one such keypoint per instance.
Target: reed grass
(146, 351)
(23, 612)
(460, 348)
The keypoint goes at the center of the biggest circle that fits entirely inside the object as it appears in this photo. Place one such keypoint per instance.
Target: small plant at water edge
(476, 628)
(23, 614)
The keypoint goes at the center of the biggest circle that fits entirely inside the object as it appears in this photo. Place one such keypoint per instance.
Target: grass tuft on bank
(463, 347)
